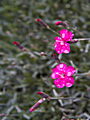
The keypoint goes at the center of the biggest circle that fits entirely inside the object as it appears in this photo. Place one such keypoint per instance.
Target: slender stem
(81, 39)
(52, 30)
(57, 98)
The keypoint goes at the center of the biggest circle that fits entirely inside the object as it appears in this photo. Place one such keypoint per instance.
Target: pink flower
(66, 35)
(63, 75)
(61, 45)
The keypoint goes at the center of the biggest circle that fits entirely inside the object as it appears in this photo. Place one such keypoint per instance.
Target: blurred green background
(23, 74)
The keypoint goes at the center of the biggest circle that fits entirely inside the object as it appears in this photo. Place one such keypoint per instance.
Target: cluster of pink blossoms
(61, 45)
(63, 75)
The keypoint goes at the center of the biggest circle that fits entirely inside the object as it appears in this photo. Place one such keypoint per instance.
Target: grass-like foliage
(25, 71)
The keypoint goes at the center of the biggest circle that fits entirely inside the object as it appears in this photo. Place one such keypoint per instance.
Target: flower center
(62, 75)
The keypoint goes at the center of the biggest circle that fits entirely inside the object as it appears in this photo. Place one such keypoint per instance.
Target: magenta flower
(66, 35)
(61, 45)
(63, 75)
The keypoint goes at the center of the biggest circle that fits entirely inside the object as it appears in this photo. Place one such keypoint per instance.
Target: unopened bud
(35, 106)
(40, 21)
(61, 23)
(16, 43)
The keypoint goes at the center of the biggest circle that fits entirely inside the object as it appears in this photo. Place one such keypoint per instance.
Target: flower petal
(66, 35)
(66, 48)
(69, 81)
(59, 83)
(55, 75)
(70, 71)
